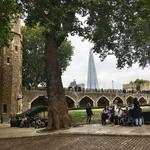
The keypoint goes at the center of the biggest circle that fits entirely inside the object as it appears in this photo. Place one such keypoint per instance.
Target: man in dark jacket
(89, 113)
(137, 113)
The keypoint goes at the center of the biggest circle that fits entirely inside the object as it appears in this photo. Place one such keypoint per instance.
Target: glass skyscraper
(92, 82)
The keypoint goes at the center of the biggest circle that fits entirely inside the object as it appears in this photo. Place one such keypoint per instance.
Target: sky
(108, 75)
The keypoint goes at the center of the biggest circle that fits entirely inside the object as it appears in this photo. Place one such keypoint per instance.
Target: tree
(8, 13)
(33, 56)
(138, 83)
(110, 25)
(122, 28)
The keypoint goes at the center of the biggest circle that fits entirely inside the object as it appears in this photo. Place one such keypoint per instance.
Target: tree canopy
(122, 28)
(114, 26)
(139, 82)
(8, 13)
(33, 56)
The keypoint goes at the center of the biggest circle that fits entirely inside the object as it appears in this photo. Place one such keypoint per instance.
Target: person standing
(105, 115)
(116, 113)
(89, 113)
(137, 113)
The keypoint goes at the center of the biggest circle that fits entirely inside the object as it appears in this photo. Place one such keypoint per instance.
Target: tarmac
(88, 129)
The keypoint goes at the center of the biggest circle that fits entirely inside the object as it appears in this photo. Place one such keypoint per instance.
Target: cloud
(106, 70)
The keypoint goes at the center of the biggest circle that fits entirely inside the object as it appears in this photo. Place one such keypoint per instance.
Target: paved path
(86, 137)
(76, 142)
(92, 129)
(98, 129)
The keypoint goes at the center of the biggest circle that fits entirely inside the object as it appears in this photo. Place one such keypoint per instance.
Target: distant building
(132, 86)
(92, 82)
(72, 84)
(82, 85)
(129, 87)
(76, 87)
(145, 86)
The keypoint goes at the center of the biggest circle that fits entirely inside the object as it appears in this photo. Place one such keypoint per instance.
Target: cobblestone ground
(76, 142)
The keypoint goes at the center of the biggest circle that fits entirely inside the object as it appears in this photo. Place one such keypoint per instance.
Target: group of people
(26, 121)
(119, 116)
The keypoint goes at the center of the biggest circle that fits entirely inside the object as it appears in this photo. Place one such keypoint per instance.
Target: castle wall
(10, 75)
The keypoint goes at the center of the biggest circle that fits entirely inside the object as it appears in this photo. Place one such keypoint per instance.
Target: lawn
(79, 116)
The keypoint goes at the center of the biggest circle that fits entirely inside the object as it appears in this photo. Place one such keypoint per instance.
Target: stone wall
(75, 98)
(10, 75)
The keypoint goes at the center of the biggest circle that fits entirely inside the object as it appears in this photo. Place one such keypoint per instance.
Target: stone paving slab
(92, 129)
(76, 142)
(109, 130)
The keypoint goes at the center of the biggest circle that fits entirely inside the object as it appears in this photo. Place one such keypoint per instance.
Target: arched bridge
(80, 99)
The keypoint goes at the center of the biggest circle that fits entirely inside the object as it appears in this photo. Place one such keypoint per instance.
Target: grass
(145, 108)
(78, 116)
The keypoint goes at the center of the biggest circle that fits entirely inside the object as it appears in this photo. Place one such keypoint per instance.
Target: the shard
(92, 82)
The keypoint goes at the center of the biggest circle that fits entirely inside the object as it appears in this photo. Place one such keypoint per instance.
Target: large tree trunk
(57, 107)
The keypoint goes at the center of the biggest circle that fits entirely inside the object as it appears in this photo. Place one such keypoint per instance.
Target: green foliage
(139, 82)
(79, 116)
(119, 27)
(33, 56)
(8, 13)
(113, 26)
(122, 28)
(65, 52)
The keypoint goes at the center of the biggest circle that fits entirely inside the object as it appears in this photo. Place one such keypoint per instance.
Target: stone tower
(11, 75)
(92, 82)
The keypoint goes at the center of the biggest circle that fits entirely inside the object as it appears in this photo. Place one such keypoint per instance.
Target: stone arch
(103, 101)
(120, 101)
(129, 100)
(142, 101)
(83, 101)
(70, 101)
(39, 101)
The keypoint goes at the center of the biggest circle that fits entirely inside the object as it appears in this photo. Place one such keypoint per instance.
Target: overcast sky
(106, 70)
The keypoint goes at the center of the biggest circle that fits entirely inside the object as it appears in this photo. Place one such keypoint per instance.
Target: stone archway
(83, 102)
(129, 100)
(102, 102)
(70, 102)
(120, 101)
(40, 101)
(142, 101)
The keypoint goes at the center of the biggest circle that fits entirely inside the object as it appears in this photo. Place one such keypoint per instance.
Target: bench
(146, 116)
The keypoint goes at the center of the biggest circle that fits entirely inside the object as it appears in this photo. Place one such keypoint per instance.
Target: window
(8, 60)
(16, 48)
(4, 108)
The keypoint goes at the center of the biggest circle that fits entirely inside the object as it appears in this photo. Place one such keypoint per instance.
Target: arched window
(70, 102)
(102, 102)
(142, 101)
(129, 100)
(83, 102)
(120, 101)
(40, 101)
